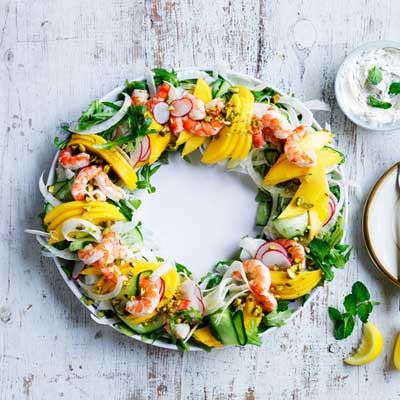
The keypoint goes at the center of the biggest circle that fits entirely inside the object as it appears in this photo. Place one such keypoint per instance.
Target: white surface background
(58, 55)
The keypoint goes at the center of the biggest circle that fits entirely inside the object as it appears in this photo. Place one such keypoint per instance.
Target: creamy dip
(354, 87)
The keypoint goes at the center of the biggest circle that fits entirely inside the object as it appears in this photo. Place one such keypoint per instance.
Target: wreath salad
(110, 260)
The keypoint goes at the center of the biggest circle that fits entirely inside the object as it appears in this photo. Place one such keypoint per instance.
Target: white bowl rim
(376, 44)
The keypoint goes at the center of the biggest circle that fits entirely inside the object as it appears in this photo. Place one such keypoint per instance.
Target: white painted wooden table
(55, 57)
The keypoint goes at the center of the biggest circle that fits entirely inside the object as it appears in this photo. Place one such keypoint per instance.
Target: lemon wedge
(396, 352)
(370, 348)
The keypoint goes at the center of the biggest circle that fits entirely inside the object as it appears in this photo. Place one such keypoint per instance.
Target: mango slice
(283, 170)
(284, 288)
(113, 156)
(204, 335)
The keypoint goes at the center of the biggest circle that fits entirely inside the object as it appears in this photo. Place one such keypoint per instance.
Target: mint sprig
(357, 303)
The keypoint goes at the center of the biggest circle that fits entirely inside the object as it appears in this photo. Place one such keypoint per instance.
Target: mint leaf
(394, 88)
(375, 75)
(374, 102)
(350, 304)
(334, 314)
(360, 292)
(319, 248)
(364, 310)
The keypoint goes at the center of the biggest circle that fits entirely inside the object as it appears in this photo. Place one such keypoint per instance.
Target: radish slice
(146, 147)
(181, 107)
(276, 258)
(134, 156)
(268, 247)
(332, 210)
(161, 112)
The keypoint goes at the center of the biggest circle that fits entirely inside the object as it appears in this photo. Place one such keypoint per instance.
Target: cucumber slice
(150, 326)
(292, 227)
(263, 212)
(128, 290)
(222, 89)
(223, 327)
(62, 190)
(132, 239)
(238, 322)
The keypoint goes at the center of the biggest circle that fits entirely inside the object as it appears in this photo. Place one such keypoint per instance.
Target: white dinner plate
(381, 225)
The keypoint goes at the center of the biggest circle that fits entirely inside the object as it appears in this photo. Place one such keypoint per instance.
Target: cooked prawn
(198, 111)
(295, 250)
(107, 189)
(161, 95)
(256, 131)
(81, 181)
(274, 123)
(176, 125)
(295, 154)
(259, 282)
(67, 160)
(203, 128)
(147, 302)
(139, 97)
(102, 254)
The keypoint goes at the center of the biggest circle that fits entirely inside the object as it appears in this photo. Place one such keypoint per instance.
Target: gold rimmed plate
(381, 224)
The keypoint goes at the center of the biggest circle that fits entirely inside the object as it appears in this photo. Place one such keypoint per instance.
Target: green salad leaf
(374, 102)
(163, 75)
(97, 112)
(375, 75)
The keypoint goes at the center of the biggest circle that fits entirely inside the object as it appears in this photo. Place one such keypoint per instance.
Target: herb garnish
(374, 102)
(146, 173)
(95, 114)
(162, 75)
(375, 75)
(328, 253)
(138, 124)
(394, 88)
(357, 303)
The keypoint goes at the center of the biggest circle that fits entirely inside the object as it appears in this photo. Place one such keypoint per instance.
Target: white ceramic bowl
(379, 44)
(296, 306)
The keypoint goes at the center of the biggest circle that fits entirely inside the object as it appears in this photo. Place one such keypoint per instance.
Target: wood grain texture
(55, 57)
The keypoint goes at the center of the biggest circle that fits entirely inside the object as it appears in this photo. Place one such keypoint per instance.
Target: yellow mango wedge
(370, 348)
(244, 145)
(113, 156)
(284, 288)
(192, 142)
(217, 149)
(283, 170)
(396, 353)
(312, 194)
(205, 336)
